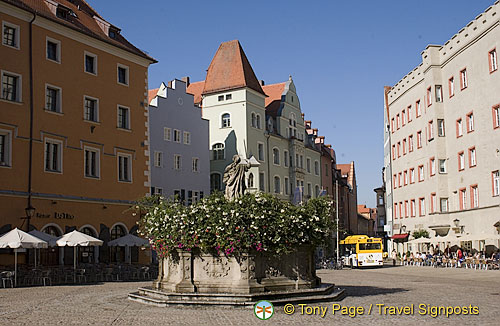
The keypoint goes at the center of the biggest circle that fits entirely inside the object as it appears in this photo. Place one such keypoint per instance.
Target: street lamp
(456, 222)
(403, 229)
(30, 212)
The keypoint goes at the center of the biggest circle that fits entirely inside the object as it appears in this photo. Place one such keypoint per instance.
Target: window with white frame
(91, 162)
(177, 135)
(472, 157)
(403, 117)
(405, 177)
(187, 138)
(10, 35)
(301, 161)
(285, 158)
(432, 166)
(90, 63)
(493, 60)
(421, 206)
(410, 143)
(433, 203)
(309, 189)
(287, 186)
(429, 97)
(258, 121)
(413, 208)
(277, 185)
(461, 161)
(124, 167)
(11, 86)
(215, 181)
(123, 117)
(316, 167)
(496, 117)
(260, 151)
(495, 176)
(122, 76)
(195, 164)
(220, 98)
(177, 161)
(254, 120)
(226, 120)
(276, 156)
(451, 86)
(218, 151)
(459, 128)
(470, 122)
(463, 199)
(439, 93)
(308, 165)
(431, 130)
(229, 96)
(419, 139)
(421, 173)
(91, 109)
(444, 204)
(409, 113)
(158, 159)
(463, 79)
(261, 181)
(53, 155)
(474, 197)
(412, 175)
(5, 147)
(442, 166)
(53, 99)
(53, 50)
(440, 124)
(418, 109)
(167, 134)
(316, 191)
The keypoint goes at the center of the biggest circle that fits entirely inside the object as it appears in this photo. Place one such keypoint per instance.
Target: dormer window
(113, 33)
(62, 12)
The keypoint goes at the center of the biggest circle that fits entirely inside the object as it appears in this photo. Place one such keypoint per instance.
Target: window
(218, 151)
(254, 120)
(409, 113)
(413, 208)
(276, 156)
(195, 164)
(439, 93)
(399, 180)
(421, 206)
(215, 182)
(220, 98)
(90, 63)
(277, 185)
(406, 208)
(10, 35)
(412, 175)
(451, 87)
(430, 129)
(444, 204)
(123, 74)
(90, 109)
(309, 189)
(261, 181)
(52, 98)
(474, 197)
(260, 150)
(308, 165)
(399, 148)
(421, 173)
(316, 167)
(177, 135)
(403, 117)
(167, 134)
(5, 148)
(418, 109)
(405, 174)
(285, 158)
(433, 203)
(397, 121)
(461, 161)
(394, 181)
(177, 162)
(395, 210)
(432, 166)
(53, 155)
(301, 161)
(123, 117)
(11, 87)
(463, 79)
(158, 158)
(316, 191)
(472, 157)
(392, 125)
(287, 186)
(496, 116)
(429, 97)
(187, 138)
(229, 96)
(410, 143)
(404, 146)
(156, 191)
(442, 166)
(493, 60)
(53, 50)
(495, 179)
(124, 168)
(463, 198)
(393, 152)
(459, 128)
(419, 139)
(250, 180)
(258, 121)
(440, 123)
(226, 120)
(470, 122)
(91, 162)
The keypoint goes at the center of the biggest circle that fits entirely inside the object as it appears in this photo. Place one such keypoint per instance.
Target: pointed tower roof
(230, 69)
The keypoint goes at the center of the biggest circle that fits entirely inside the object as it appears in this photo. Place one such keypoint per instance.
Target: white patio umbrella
(129, 240)
(75, 239)
(19, 239)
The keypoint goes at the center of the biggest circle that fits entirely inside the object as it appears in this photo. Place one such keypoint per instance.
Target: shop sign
(56, 215)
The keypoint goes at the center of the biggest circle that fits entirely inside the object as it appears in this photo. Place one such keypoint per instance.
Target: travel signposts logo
(263, 310)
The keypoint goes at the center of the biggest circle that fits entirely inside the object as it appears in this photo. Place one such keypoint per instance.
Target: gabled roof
(273, 99)
(196, 89)
(344, 168)
(152, 94)
(82, 21)
(230, 69)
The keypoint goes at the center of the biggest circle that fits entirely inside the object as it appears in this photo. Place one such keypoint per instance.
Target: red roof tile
(344, 168)
(196, 89)
(84, 21)
(152, 94)
(230, 69)
(273, 99)
(362, 209)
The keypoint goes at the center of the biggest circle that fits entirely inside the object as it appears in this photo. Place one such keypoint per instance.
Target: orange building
(73, 124)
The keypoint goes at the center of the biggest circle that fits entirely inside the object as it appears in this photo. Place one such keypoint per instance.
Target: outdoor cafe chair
(80, 275)
(7, 277)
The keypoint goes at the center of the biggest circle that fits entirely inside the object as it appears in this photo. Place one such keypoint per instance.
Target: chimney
(186, 80)
(302, 115)
(315, 131)
(261, 82)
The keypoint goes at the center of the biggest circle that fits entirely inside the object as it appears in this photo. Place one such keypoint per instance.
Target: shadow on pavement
(362, 291)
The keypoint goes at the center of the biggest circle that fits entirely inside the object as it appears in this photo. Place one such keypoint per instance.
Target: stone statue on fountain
(234, 178)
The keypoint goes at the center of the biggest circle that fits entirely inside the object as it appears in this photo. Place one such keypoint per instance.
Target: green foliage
(420, 234)
(257, 221)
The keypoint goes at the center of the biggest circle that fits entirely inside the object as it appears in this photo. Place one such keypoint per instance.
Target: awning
(402, 236)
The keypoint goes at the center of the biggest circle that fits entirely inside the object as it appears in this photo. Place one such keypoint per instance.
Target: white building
(445, 138)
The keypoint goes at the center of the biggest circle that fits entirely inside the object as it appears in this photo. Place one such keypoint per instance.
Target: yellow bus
(361, 251)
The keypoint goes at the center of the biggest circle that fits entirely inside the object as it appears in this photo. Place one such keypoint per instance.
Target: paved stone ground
(107, 304)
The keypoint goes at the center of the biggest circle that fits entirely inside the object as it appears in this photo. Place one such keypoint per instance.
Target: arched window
(226, 120)
(52, 230)
(218, 151)
(277, 185)
(117, 253)
(215, 182)
(258, 121)
(276, 156)
(316, 190)
(50, 257)
(254, 120)
(250, 180)
(87, 252)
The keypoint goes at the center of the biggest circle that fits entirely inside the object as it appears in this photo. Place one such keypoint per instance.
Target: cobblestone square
(107, 303)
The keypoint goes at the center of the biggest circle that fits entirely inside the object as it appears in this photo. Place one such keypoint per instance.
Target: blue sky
(339, 53)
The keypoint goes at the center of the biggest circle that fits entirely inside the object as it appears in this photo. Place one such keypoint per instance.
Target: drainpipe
(30, 166)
